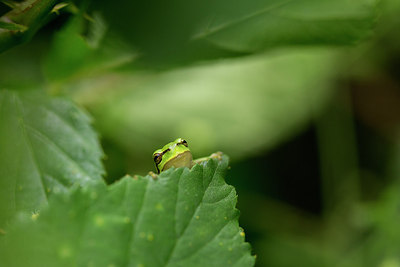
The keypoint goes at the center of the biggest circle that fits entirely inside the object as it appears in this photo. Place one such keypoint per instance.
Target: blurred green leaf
(26, 17)
(81, 49)
(380, 244)
(303, 252)
(239, 106)
(378, 56)
(182, 218)
(257, 25)
(198, 30)
(12, 26)
(21, 66)
(46, 145)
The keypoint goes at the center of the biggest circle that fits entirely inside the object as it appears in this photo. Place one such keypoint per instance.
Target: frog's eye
(184, 143)
(157, 158)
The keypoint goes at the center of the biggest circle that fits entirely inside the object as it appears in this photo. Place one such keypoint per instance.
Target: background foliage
(302, 95)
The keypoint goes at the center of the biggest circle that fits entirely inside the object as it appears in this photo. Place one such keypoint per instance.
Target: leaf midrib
(242, 19)
(50, 142)
(134, 224)
(213, 30)
(192, 216)
(20, 110)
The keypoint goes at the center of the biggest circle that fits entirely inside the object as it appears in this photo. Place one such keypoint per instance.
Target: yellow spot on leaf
(242, 233)
(34, 216)
(150, 237)
(65, 252)
(99, 221)
(159, 206)
(197, 217)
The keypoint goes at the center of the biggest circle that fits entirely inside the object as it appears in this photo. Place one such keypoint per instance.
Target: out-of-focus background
(304, 97)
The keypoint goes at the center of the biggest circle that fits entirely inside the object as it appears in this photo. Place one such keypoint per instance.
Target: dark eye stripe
(158, 170)
(183, 142)
(158, 156)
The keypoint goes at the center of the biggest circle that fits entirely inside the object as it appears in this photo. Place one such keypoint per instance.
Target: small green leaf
(182, 218)
(56, 9)
(81, 49)
(46, 145)
(12, 26)
(29, 15)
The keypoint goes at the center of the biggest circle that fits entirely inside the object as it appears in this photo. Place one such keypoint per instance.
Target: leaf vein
(20, 108)
(192, 218)
(224, 197)
(58, 148)
(85, 142)
(176, 205)
(208, 242)
(314, 20)
(240, 20)
(137, 219)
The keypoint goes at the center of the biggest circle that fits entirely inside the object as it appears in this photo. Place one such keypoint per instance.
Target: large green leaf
(182, 218)
(198, 30)
(238, 106)
(46, 145)
(257, 25)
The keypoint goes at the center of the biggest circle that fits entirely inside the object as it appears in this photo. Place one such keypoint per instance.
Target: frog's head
(173, 154)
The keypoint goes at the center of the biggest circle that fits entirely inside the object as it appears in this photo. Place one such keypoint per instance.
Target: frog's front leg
(216, 155)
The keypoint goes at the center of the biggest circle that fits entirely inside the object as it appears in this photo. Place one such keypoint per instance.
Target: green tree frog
(177, 154)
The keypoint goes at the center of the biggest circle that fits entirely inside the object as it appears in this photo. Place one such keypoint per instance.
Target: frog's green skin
(174, 154)
(177, 154)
